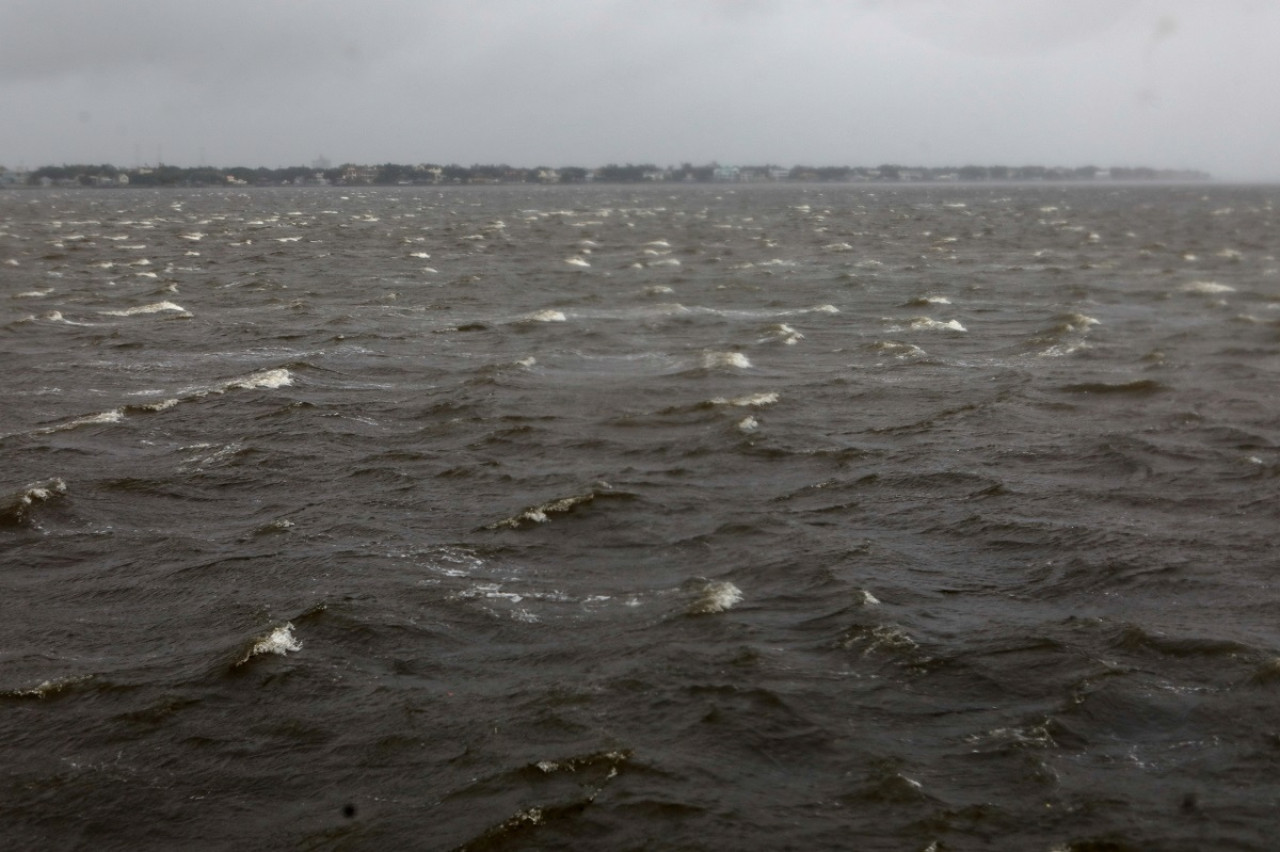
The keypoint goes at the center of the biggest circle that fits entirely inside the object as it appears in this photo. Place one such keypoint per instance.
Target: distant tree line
(398, 174)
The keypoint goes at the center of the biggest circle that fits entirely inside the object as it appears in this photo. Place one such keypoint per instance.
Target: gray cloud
(1163, 82)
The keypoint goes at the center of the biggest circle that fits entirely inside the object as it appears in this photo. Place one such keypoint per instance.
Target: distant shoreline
(391, 174)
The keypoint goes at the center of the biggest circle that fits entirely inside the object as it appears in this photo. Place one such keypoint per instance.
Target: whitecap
(577, 261)
(898, 349)
(755, 400)
(666, 261)
(717, 596)
(161, 405)
(1078, 322)
(538, 514)
(279, 641)
(547, 315)
(36, 492)
(115, 415)
(714, 360)
(271, 379)
(46, 688)
(787, 334)
(748, 424)
(1206, 287)
(154, 308)
(928, 324)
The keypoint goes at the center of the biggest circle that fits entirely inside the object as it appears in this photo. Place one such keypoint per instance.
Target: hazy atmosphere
(1162, 83)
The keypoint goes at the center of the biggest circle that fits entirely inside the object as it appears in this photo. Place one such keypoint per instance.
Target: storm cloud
(1165, 83)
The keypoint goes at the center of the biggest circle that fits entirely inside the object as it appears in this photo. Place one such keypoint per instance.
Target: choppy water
(668, 518)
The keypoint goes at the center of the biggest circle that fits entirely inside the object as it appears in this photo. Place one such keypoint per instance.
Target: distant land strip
(322, 173)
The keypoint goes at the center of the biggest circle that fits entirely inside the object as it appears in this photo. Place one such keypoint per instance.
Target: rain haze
(1160, 83)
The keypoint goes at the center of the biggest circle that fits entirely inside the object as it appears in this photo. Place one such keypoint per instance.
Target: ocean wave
(755, 400)
(879, 639)
(1064, 336)
(720, 360)
(279, 641)
(786, 334)
(897, 349)
(1141, 387)
(16, 508)
(930, 324)
(154, 308)
(152, 407)
(926, 301)
(538, 514)
(714, 596)
(115, 415)
(270, 379)
(547, 315)
(1206, 288)
(48, 688)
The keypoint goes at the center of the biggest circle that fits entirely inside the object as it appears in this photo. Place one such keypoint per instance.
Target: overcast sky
(1164, 83)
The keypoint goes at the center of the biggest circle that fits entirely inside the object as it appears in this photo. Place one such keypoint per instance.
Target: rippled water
(811, 517)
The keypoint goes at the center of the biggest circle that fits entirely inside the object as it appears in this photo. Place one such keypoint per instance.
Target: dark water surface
(785, 517)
